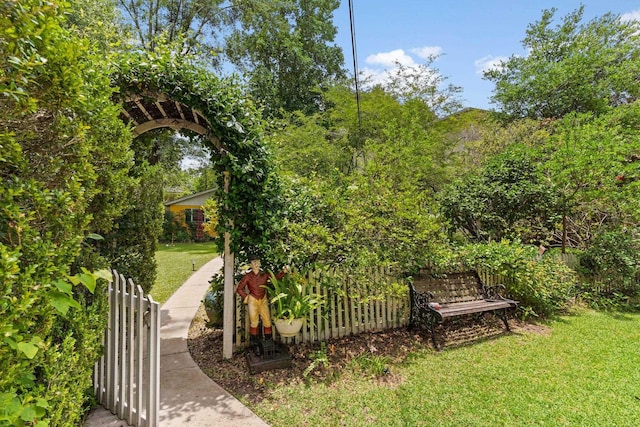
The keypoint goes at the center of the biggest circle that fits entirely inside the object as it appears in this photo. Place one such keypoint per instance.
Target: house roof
(196, 199)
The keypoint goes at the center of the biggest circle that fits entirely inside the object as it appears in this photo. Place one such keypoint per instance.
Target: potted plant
(213, 301)
(291, 301)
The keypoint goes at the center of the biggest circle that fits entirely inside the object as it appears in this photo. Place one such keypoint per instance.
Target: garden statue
(252, 289)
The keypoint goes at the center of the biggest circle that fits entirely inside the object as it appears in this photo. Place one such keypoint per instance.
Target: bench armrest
(420, 299)
(428, 295)
(493, 292)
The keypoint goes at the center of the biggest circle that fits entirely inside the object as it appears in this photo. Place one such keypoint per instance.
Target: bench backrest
(451, 287)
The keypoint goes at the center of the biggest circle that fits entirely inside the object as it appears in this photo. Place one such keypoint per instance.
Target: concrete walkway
(187, 396)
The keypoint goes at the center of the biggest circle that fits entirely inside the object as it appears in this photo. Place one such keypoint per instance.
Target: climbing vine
(251, 208)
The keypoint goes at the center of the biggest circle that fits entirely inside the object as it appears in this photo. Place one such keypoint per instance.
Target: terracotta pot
(289, 329)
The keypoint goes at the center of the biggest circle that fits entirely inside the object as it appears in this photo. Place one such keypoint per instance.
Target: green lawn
(583, 371)
(174, 266)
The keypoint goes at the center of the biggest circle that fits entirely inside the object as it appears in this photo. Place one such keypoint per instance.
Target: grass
(174, 266)
(584, 372)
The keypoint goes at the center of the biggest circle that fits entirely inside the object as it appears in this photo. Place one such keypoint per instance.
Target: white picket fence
(353, 304)
(126, 379)
(369, 301)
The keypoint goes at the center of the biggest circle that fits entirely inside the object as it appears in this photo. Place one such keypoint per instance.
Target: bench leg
(432, 329)
(431, 322)
(425, 319)
(502, 314)
(412, 318)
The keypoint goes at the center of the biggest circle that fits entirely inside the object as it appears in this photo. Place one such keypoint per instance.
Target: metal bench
(436, 298)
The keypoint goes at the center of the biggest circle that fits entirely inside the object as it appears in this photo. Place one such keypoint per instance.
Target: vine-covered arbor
(158, 91)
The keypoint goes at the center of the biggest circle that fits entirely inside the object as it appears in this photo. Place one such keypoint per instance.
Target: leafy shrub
(172, 230)
(356, 222)
(610, 271)
(214, 300)
(131, 246)
(63, 167)
(613, 260)
(543, 285)
(508, 198)
(291, 297)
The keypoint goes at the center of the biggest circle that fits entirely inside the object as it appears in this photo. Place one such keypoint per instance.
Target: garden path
(188, 397)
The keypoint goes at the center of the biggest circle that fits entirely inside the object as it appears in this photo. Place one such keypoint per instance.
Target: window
(193, 216)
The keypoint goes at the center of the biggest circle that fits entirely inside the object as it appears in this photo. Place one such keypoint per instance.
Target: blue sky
(469, 34)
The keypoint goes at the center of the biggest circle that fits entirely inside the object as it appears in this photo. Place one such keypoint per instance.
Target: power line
(354, 53)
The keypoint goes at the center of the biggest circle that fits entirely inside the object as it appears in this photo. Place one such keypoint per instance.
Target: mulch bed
(205, 346)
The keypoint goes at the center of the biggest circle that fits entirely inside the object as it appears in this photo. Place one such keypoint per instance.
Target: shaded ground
(392, 346)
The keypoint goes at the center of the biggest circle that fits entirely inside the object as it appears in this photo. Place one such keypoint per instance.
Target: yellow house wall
(176, 209)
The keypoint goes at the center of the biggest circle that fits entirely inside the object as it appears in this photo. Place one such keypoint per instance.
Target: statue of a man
(254, 294)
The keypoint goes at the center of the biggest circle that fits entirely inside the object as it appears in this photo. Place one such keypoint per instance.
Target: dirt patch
(533, 328)
(371, 350)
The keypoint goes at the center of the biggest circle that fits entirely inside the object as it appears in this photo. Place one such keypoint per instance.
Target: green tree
(351, 129)
(593, 165)
(361, 192)
(475, 137)
(99, 21)
(573, 67)
(424, 83)
(509, 198)
(286, 51)
(130, 246)
(192, 26)
(307, 147)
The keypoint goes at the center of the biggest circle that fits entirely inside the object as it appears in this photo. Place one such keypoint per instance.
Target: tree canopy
(509, 198)
(572, 67)
(192, 26)
(286, 51)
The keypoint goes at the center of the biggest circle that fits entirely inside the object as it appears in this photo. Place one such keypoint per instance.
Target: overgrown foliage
(570, 68)
(509, 198)
(130, 247)
(63, 152)
(611, 266)
(360, 193)
(593, 166)
(251, 209)
(286, 51)
(543, 285)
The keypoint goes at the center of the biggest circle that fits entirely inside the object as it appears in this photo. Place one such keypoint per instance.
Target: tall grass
(584, 371)
(174, 263)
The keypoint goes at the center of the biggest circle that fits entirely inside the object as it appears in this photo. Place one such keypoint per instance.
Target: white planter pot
(288, 329)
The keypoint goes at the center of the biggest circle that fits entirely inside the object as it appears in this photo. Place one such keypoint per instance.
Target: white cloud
(372, 76)
(631, 16)
(383, 65)
(427, 52)
(489, 62)
(391, 59)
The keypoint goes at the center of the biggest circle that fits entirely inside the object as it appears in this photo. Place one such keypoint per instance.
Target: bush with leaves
(543, 285)
(612, 263)
(64, 154)
(509, 198)
(173, 230)
(130, 247)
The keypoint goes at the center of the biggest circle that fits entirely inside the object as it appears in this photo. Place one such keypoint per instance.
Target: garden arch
(165, 92)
